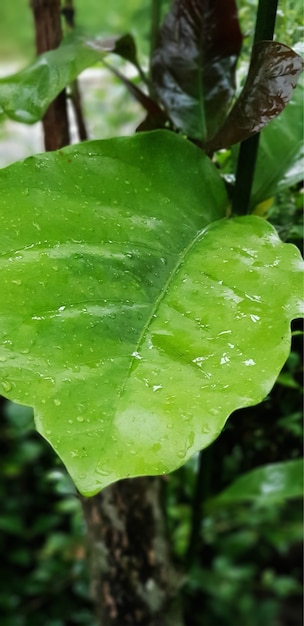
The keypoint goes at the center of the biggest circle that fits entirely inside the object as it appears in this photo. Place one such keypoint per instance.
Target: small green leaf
(280, 161)
(132, 329)
(264, 485)
(25, 96)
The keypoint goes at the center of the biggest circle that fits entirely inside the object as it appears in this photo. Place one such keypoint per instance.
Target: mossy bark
(133, 581)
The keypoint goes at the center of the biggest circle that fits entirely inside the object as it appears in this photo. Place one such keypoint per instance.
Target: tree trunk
(133, 582)
(47, 18)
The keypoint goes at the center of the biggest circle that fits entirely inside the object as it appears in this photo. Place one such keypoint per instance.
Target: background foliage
(246, 569)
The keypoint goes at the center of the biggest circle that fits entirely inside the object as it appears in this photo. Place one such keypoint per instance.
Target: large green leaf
(133, 330)
(264, 485)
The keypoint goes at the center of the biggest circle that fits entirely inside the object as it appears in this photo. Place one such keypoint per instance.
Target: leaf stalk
(264, 29)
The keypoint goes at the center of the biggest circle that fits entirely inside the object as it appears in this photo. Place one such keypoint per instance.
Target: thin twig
(68, 12)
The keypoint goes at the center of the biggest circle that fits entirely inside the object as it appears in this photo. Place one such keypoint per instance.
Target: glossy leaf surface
(25, 96)
(272, 76)
(193, 66)
(280, 161)
(264, 485)
(133, 332)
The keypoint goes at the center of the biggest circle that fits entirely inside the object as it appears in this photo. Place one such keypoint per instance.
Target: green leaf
(133, 330)
(25, 96)
(264, 485)
(280, 157)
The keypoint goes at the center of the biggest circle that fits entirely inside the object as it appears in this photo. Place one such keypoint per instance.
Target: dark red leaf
(193, 65)
(272, 76)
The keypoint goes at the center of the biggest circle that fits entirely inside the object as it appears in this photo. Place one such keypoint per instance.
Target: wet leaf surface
(133, 330)
(193, 67)
(273, 74)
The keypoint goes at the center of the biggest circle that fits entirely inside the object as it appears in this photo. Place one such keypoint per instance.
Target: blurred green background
(119, 17)
(93, 16)
(247, 567)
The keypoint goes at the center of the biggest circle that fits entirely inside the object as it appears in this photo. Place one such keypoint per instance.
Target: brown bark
(47, 18)
(133, 582)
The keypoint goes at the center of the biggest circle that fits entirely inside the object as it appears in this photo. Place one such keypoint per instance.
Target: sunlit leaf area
(145, 331)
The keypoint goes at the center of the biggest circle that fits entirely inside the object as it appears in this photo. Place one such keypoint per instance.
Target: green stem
(201, 493)
(265, 21)
(264, 29)
(155, 22)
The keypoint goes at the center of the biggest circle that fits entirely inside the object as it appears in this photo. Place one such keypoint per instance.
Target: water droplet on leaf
(6, 385)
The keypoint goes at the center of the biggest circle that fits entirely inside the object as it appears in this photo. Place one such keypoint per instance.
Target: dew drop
(156, 387)
(249, 362)
(80, 418)
(102, 472)
(136, 355)
(6, 385)
(57, 402)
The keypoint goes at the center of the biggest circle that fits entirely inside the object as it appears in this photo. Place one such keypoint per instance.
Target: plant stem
(155, 21)
(264, 29)
(265, 21)
(47, 20)
(201, 492)
(76, 103)
(68, 11)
